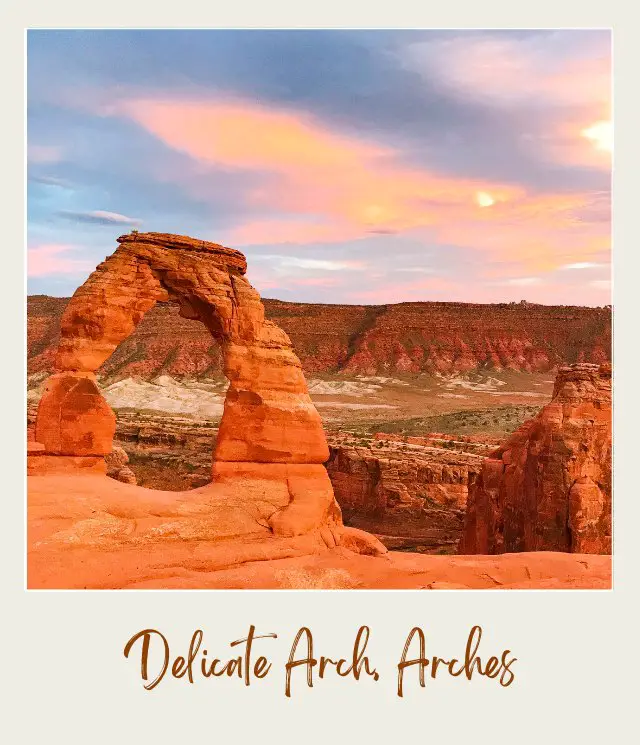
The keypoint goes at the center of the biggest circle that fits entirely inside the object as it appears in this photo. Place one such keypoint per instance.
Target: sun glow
(601, 135)
(374, 213)
(484, 199)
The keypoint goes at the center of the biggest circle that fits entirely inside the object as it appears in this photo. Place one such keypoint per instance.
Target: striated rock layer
(411, 492)
(548, 487)
(444, 338)
(268, 479)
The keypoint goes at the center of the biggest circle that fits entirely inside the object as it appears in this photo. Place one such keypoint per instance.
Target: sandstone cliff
(548, 487)
(404, 338)
(411, 492)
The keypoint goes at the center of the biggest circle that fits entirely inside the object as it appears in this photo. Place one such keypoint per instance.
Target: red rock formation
(89, 531)
(117, 462)
(268, 414)
(476, 444)
(548, 487)
(73, 418)
(269, 480)
(358, 339)
(412, 495)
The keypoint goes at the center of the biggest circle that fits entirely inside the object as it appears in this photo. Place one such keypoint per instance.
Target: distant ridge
(411, 337)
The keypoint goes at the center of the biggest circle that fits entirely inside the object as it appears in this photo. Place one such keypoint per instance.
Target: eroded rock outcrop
(73, 418)
(447, 338)
(548, 487)
(409, 491)
(268, 414)
(268, 477)
(118, 466)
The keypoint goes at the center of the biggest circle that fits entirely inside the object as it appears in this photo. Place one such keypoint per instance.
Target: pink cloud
(564, 77)
(277, 231)
(44, 153)
(52, 258)
(557, 70)
(433, 288)
(245, 135)
(314, 171)
(314, 281)
(338, 187)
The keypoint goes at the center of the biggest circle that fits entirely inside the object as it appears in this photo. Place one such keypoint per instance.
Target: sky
(361, 167)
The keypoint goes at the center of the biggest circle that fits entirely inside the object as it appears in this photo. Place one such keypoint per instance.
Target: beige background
(63, 673)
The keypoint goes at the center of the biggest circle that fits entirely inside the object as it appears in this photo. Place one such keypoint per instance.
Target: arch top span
(206, 279)
(231, 257)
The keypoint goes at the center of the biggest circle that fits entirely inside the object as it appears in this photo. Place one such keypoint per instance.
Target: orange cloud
(338, 187)
(568, 145)
(316, 171)
(241, 135)
(538, 232)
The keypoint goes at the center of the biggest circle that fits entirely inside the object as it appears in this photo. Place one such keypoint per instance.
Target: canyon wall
(354, 339)
(548, 487)
(411, 492)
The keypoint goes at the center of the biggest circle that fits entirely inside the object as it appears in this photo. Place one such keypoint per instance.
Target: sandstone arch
(268, 415)
(271, 440)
